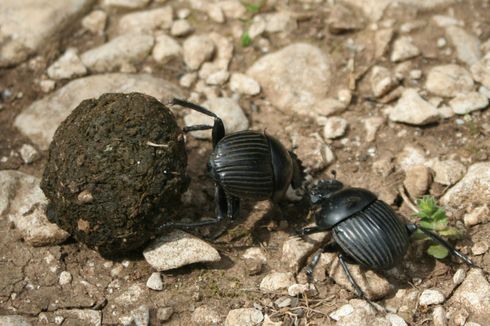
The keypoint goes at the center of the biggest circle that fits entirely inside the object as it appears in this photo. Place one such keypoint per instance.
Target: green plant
(253, 7)
(434, 218)
(245, 40)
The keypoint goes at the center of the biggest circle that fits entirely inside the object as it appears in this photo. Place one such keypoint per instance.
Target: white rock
(372, 124)
(138, 317)
(218, 78)
(382, 81)
(269, 322)
(382, 40)
(296, 250)
(439, 316)
(300, 289)
(67, 66)
(40, 120)
(343, 311)
(481, 71)
(244, 317)
(335, 127)
(233, 9)
(47, 85)
(404, 49)
(183, 13)
(485, 91)
(146, 21)
(65, 278)
(255, 253)
(431, 297)
(314, 154)
(448, 172)
(417, 180)
(181, 27)
(413, 109)
(29, 154)
(477, 215)
(164, 314)
(131, 295)
(479, 248)
(280, 22)
(474, 295)
(155, 281)
(30, 24)
(177, 249)
(276, 281)
(215, 13)
(345, 96)
(188, 79)
(395, 320)
(242, 84)
(197, 49)
(206, 316)
(13, 320)
(468, 102)
(459, 276)
(82, 316)
(449, 80)
(24, 203)
(124, 49)
(95, 22)
(415, 74)
(446, 21)
(441, 42)
(166, 49)
(411, 156)
(467, 45)
(125, 4)
(324, 108)
(257, 27)
(293, 78)
(226, 108)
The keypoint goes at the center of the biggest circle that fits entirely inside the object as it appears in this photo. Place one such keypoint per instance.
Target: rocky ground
(393, 95)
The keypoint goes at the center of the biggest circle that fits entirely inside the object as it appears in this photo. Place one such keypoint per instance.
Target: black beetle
(365, 228)
(244, 165)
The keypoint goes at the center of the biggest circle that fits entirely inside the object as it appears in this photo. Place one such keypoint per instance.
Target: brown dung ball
(116, 170)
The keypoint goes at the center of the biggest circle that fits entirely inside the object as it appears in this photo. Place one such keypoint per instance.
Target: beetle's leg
(309, 230)
(443, 242)
(311, 266)
(218, 127)
(357, 288)
(197, 127)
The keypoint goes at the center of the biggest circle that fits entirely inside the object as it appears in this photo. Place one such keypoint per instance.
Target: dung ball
(115, 171)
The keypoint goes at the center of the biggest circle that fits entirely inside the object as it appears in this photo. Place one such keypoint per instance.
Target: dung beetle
(365, 228)
(244, 165)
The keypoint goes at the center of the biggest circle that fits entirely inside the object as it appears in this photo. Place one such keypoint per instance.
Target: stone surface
(180, 28)
(23, 202)
(206, 316)
(218, 78)
(95, 22)
(301, 289)
(334, 127)
(343, 311)
(411, 108)
(362, 315)
(276, 281)
(155, 281)
(242, 84)
(314, 154)
(80, 316)
(165, 49)
(431, 297)
(177, 249)
(147, 21)
(477, 215)
(439, 316)
(343, 19)
(244, 317)
(197, 49)
(481, 71)
(65, 278)
(13, 320)
(29, 154)
(67, 66)
(479, 248)
(226, 108)
(138, 317)
(28, 25)
(40, 120)
(293, 78)
(296, 250)
(120, 51)
(449, 80)
(467, 45)
(372, 125)
(468, 102)
(448, 172)
(382, 81)
(417, 180)
(164, 314)
(403, 49)
(410, 156)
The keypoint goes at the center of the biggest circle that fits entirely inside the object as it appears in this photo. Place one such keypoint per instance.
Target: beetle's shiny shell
(375, 237)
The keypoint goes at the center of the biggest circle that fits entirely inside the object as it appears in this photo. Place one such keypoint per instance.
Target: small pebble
(431, 297)
(479, 248)
(155, 282)
(459, 276)
(65, 278)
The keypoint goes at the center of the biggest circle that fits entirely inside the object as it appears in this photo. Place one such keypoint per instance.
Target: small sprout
(246, 40)
(253, 7)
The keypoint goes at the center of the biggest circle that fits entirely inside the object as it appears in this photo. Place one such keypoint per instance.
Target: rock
(257, 27)
(343, 311)
(446, 21)
(296, 250)
(335, 127)
(382, 81)
(29, 154)
(468, 102)
(28, 26)
(372, 284)
(146, 21)
(155, 281)
(300, 289)
(477, 215)
(474, 188)
(404, 49)
(276, 281)
(481, 71)
(255, 253)
(449, 80)
(467, 45)
(226, 108)
(188, 79)
(65, 278)
(441, 42)
(372, 124)
(344, 96)
(281, 21)
(411, 155)
(413, 109)
(138, 317)
(177, 249)
(362, 315)
(395, 320)
(165, 49)
(215, 13)
(439, 316)
(324, 108)
(269, 322)
(205, 316)
(448, 172)
(382, 40)
(479, 248)
(124, 49)
(47, 85)
(181, 27)
(431, 297)
(283, 302)
(342, 19)
(197, 49)
(80, 316)
(244, 317)
(417, 180)
(218, 78)
(23, 202)
(125, 4)
(67, 66)
(131, 295)
(459, 276)
(165, 313)
(485, 91)
(95, 22)
(12, 320)
(314, 154)
(40, 120)
(242, 84)
(474, 295)
(293, 78)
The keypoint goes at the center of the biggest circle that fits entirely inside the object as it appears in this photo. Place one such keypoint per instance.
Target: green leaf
(246, 40)
(253, 7)
(434, 225)
(452, 233)
(438, 251)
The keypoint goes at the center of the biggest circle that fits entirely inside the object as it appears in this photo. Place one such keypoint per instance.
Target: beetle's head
(323, 189)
